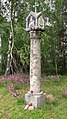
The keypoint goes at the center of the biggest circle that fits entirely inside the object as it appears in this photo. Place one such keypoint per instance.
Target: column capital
(35, 34)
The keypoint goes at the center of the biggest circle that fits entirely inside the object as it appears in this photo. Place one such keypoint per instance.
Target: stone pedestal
(37, 100)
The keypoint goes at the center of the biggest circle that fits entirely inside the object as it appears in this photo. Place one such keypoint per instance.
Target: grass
(13, 108)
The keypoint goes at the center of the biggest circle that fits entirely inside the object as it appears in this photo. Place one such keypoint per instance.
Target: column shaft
(35, 61)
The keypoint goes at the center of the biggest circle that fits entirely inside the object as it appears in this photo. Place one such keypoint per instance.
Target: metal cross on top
(35, 6)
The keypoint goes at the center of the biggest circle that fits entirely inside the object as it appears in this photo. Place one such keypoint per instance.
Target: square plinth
(37, 100)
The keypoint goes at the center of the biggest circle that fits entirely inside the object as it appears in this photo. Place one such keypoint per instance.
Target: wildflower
(31, 106)
(11, 88)
(30, 92)
(65, 91)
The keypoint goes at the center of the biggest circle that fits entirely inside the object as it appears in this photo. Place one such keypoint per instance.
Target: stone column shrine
(35, 25)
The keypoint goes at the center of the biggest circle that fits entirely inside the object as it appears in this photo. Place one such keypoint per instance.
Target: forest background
(15, 41)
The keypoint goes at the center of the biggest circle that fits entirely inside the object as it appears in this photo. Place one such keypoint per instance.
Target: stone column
(35, 24)
(35, 96)
(35, 61)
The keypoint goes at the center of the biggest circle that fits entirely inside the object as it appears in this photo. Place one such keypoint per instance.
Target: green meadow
(13, 107)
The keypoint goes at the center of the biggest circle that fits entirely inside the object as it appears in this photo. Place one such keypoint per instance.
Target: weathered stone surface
(35, 61)
(35, 97)
(37, 100)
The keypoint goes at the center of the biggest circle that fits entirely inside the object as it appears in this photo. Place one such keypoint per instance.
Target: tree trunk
(9, 69)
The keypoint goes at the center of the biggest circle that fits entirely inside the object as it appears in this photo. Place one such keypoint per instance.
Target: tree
(51, 40)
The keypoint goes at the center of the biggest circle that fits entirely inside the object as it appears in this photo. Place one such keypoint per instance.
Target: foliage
(17, 79)
(53, 57)
(4, 31)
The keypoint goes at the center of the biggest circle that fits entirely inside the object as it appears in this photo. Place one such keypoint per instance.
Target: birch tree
(11, 63)
(12, 66)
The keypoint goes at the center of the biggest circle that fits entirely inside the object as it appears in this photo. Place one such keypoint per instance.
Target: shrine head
(35, 21)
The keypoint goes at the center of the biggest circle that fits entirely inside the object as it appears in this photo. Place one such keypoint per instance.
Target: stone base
(37, 100)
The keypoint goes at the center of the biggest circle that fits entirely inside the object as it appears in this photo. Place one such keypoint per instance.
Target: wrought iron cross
(35, 6)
